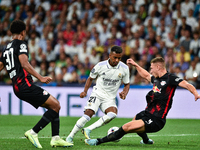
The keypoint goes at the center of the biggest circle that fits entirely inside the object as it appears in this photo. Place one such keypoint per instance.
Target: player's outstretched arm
(87, 86)
(1, 66)
(143, 73)
(26, 65)
(191, 88)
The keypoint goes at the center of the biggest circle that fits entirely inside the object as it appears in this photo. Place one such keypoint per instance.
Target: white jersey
(109, 78)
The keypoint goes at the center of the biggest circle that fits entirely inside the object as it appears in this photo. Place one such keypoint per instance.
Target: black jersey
(21, 79)
(159, 99)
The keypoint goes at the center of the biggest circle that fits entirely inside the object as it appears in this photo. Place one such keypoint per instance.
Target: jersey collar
(111, 67)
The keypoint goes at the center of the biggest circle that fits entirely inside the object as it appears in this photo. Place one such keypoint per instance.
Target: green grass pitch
(178, 134)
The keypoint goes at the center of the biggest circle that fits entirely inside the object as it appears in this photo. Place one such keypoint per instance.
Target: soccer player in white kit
(109, 74)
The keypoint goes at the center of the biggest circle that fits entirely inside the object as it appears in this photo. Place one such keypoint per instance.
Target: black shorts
(34, 95)
(152, 123)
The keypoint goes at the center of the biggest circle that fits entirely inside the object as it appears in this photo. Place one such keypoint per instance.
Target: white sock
(96, 124)
(102, 121)
(32, 132)
(56, 137)
(79, 124)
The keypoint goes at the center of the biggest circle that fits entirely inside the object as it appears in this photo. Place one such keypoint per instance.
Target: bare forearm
(88, 84)
(192, 89)
(142, 72)
(126, 88)
(32, 71)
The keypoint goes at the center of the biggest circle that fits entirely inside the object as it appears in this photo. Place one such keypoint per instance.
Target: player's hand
(83, 94)
(122, 95)
(131, 61)
(46, 80)
(197, 97)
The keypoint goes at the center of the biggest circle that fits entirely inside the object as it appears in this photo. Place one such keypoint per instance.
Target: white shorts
(95, 102)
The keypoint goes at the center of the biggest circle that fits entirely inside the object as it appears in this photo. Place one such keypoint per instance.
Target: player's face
(114, 58)
(154, 69)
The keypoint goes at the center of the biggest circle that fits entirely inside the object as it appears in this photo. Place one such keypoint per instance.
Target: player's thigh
(93, 103)
(152, 123)
(134, 126)
(107, 106)
(34, 95)
(52, 103)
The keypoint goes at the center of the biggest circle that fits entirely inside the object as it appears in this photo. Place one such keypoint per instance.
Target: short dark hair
(116, 49)
(17, 26)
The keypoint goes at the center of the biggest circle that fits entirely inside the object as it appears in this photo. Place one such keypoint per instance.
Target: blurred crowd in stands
(66, 38)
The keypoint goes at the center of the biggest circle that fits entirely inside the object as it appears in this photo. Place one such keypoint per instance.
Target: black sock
(112, 137)
(46, 118)
(144, 137)
(55, 125)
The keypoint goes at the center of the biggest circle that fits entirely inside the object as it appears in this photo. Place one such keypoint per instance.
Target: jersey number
(10, 61)
(92, 99)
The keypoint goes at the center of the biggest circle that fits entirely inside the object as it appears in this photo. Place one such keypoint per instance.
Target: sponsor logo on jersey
(103, 73)
(163, 83)
(110, 81)
(156, 89)
(45, 92)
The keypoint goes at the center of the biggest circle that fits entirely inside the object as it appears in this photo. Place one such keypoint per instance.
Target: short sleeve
(174, 80)
(95, 71)
(126, 77)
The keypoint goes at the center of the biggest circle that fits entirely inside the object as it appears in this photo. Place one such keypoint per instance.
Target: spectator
(186, 42)
(191, 74)
(186, 6)
(83, 76)
(73, 49)
(195, 45)
(68, 34)
(184, 26)
(94, 57)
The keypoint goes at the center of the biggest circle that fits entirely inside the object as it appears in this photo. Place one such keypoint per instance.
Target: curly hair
(17, 26)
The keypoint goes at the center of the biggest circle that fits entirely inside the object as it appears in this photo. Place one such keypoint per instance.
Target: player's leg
(130, 127)
(110, 109)
(37, 96)
(143, 135)
(53, 105)
(111, 113)
(90, 109)
(80, 124)
(52, 113)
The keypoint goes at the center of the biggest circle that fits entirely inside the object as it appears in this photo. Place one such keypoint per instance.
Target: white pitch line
(166, 135)
(129, 135)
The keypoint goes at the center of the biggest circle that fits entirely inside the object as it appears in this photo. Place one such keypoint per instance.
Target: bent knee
(112, 115)
(55, 104)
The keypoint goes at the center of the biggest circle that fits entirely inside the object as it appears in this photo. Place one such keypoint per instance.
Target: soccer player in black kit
(15, 59)
(159, 101)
